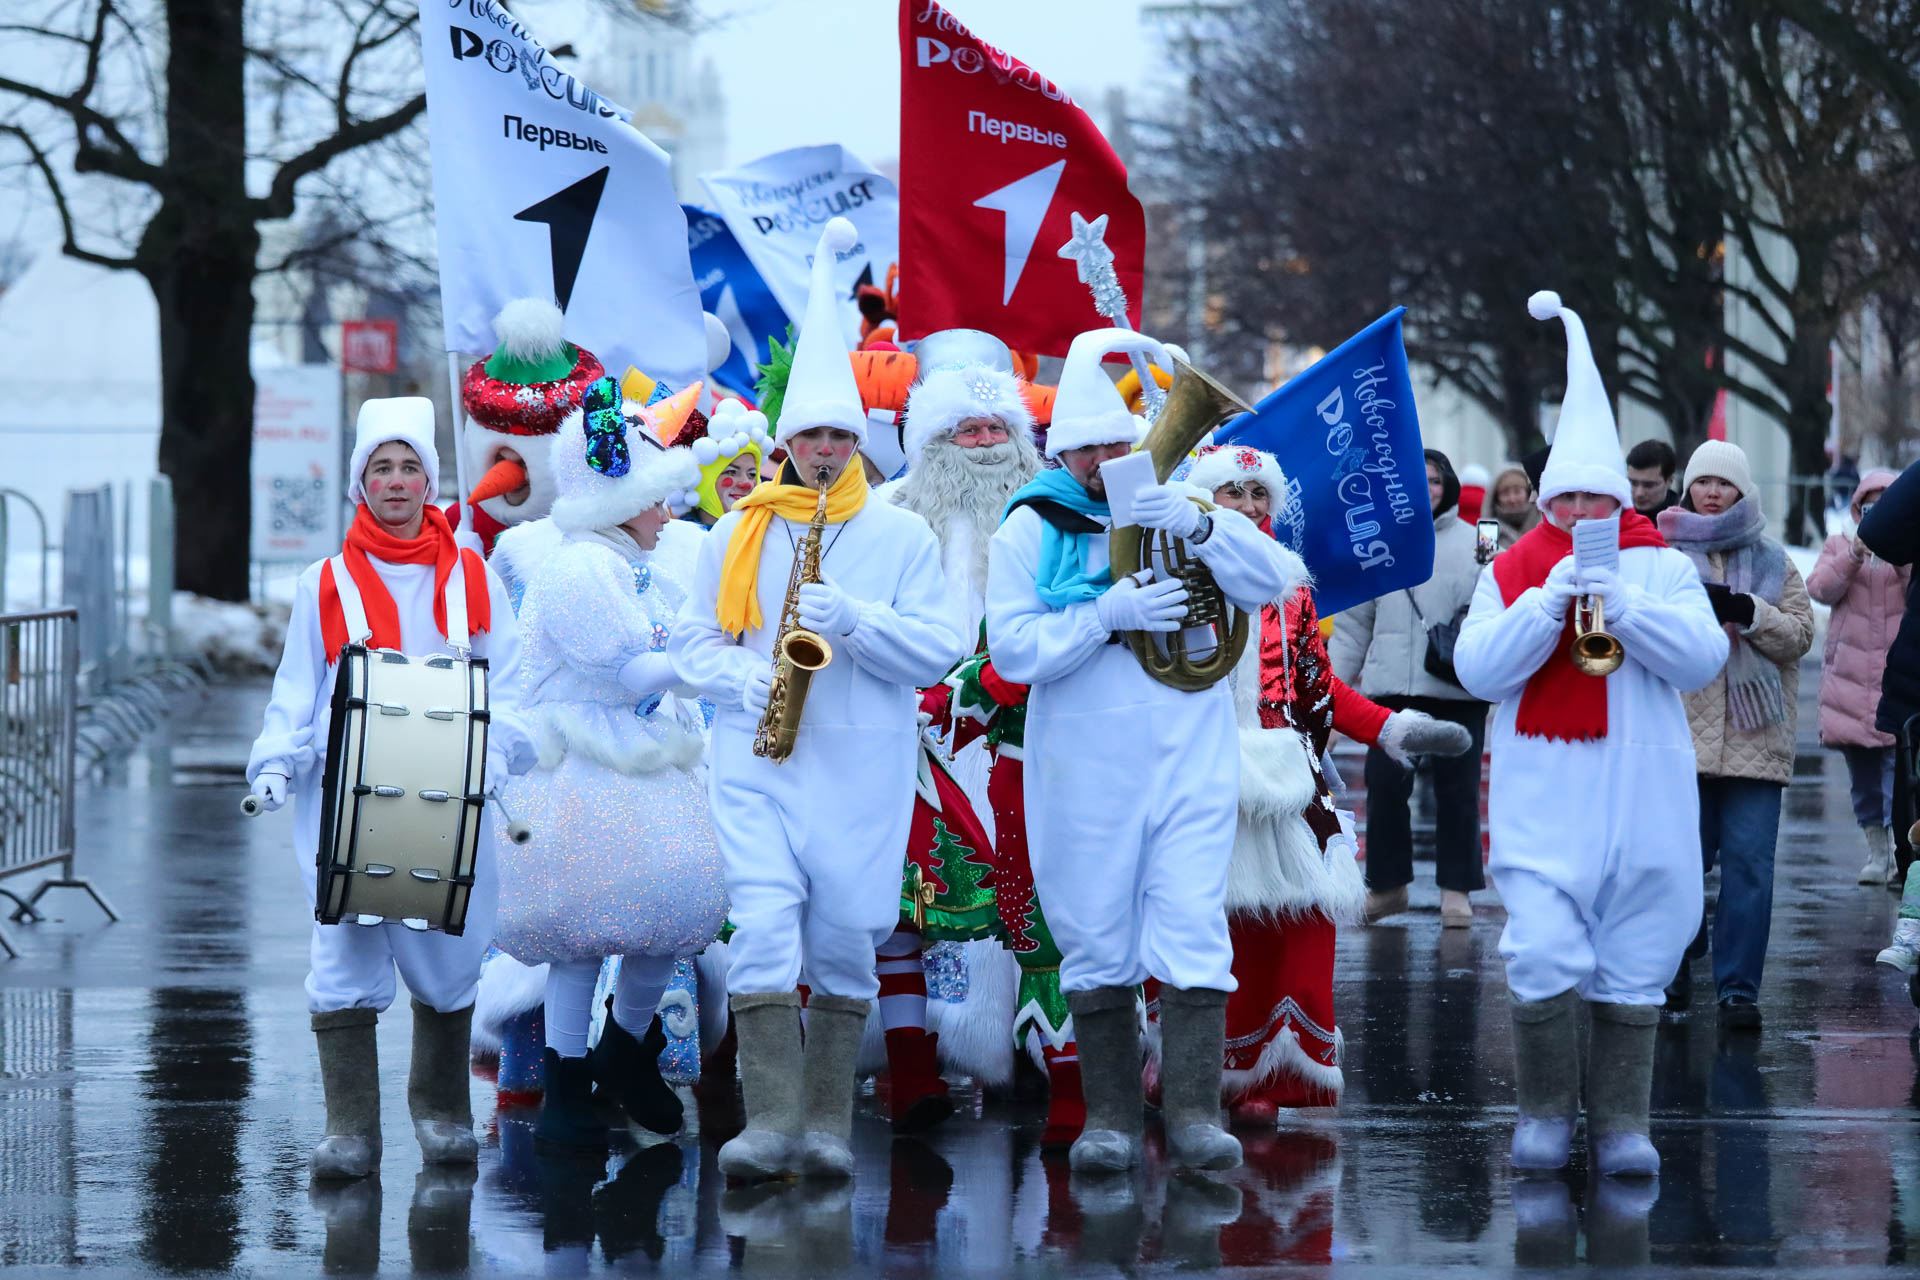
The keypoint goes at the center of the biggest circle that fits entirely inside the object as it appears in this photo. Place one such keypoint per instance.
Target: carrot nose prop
(503, 476)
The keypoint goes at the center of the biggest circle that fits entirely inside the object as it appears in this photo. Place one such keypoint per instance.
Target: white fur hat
(408, 419)
(948, 396)
(1087, 408)
(1475, 474)
(608, 465)
(1720, 458)
(1586, 455)
(822, 391)
(1238, 464)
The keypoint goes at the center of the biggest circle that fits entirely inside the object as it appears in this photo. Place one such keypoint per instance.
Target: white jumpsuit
(1596, 845)
(814, 847)
(351, 966)
(1132, 787)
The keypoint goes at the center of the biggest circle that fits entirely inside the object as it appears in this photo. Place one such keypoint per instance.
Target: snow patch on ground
(234, 639)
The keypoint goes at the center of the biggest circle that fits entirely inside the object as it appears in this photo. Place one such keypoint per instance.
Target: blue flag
(1346, 434)
(732, 289)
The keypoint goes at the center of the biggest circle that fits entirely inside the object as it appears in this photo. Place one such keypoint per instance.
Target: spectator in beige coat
(1744, 722)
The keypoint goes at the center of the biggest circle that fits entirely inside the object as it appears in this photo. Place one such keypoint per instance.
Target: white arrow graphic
(1024, 202)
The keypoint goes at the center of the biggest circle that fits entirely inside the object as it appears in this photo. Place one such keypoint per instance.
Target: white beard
(974, 485)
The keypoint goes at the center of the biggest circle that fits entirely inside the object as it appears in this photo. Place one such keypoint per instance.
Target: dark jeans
(1456, 793)
(1739, 827)
(1870, 781)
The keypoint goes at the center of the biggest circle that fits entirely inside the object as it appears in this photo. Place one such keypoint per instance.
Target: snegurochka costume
(1592, 803)
(401, 586)
(1130, 783)
(813, 846)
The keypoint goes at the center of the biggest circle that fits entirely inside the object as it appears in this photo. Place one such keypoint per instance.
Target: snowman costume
(1592, 803)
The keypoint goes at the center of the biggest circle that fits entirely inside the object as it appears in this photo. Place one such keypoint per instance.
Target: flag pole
(459, 451)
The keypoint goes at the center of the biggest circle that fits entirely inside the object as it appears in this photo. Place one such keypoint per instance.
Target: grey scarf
(1756, 565)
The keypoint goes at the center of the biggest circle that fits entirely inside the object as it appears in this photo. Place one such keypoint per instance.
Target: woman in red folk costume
(1293, 878)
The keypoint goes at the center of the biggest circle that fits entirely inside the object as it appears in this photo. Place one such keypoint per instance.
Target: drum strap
(355, 612)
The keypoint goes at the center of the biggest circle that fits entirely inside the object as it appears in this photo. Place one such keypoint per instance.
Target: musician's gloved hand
(272, 790)
(648, 673)
(1407, 734)
(1559, 590)
(757, 687)
(1605, 586)
(1166, 507)
(827, 609)
(1134, 604)
(1730, 605)
(497, 772)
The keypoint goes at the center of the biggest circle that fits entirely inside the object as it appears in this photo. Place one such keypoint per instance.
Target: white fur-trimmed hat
(946, 397)
(408, 419)
(608, 465)
(1238, 464)
(1087, 408)
(1586, 456)
(821, 391)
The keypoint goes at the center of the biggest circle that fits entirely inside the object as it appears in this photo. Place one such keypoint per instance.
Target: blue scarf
(1062, 579)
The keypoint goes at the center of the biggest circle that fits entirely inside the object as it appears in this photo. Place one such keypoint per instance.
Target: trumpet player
(812, 843)
(1593, 808)
(1131, 785)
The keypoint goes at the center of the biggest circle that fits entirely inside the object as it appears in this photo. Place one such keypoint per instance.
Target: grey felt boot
(350, 1077)
(437, 1091)
(1881, 864)
(767, 1027)
(1193, 1032)
(834, 1027)
(1107, 1028)
(1546, 1075)
(1620, 1089)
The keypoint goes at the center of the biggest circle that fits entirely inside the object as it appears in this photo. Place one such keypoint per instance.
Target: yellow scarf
(739, 604)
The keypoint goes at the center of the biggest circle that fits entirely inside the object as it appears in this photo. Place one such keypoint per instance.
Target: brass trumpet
(1596, 651)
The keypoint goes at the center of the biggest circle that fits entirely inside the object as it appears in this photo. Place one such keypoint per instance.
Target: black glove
(1730, 605)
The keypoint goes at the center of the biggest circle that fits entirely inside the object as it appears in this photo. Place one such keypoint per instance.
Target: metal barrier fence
(39, 706)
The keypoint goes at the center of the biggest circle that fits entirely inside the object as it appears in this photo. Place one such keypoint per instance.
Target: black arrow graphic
(866, 277)
(569, 217)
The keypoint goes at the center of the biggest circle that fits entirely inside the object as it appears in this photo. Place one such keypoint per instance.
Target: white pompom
(756, 422)
(1544, 305)
(719, 341)
(529, 329)
(839, 236)
(737, 443)
(705, 451)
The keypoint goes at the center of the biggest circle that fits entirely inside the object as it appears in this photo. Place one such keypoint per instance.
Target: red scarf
(433, 545)
(1559, 701)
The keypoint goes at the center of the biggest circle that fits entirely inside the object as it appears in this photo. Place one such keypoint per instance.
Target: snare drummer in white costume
(400, 559)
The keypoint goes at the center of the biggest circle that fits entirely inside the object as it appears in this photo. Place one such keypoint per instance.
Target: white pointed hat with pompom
(1586, 456)
(821, 391)
(1087, 407)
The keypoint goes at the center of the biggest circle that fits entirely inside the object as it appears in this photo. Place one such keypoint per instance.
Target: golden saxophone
(797, 652)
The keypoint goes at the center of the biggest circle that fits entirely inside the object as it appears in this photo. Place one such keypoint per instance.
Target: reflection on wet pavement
(160, 1095)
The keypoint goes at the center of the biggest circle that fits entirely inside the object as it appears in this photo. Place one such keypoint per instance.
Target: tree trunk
(198, 253)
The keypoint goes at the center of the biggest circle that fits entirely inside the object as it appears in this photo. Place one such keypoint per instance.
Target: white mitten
(756, 689)
(272, 789)
(1415, 733)
(1133, 604)
(827, 609)
(1168, 508)
(1559, 590)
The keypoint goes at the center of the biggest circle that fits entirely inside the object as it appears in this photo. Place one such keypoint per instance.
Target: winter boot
(438, 1096)
(1903, 953)
(440, 1220)
(1066, 1102)
(919, 1098)
(1546, 1071)
(629, 1069)
(834, 1027)
(1879, 868)
(523, 1054)
(1193, 1034)
(350, 1078)
(569, 1123)
(768, 1030)
(1107, 1027)
(1620, 1089)
(351, 1212)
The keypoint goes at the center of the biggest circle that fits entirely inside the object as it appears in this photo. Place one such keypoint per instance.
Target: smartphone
(1486, 540)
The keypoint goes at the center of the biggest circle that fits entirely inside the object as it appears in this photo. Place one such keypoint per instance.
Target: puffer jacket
(1892, 531)
(1380, 647)
(1867, 596)
(1781, 633)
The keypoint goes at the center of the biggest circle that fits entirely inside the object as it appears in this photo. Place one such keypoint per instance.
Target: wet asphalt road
(160, 1095)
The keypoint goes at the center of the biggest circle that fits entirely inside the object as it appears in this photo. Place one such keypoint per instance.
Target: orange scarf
(738, 607)
(433, 545)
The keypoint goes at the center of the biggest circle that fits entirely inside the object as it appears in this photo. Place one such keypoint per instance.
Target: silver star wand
(1094, 263)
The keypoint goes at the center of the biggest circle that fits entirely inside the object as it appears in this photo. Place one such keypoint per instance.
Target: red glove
(1002, 691)
(937, 701)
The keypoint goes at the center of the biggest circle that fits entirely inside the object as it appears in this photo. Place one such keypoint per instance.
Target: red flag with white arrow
(995, 160)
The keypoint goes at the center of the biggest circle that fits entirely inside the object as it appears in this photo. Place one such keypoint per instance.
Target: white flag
(777, 205)
(542, 188)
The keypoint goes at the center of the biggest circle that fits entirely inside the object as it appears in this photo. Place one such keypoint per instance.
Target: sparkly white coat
(815, 846)
(624, 859)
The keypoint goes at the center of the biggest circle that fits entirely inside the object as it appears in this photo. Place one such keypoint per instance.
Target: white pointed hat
(821, 391)
(1087, 408)
(1586, 455)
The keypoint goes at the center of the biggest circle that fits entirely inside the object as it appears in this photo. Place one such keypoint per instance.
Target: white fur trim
(561, 730)
(508, 989)
(588, 500)
(1283, 1056)
(529, 329)
(973, 1033)
(946, 397)
(1276, 773)
(408, 419)
(710, 986)
(1235, 463)
(519, 552)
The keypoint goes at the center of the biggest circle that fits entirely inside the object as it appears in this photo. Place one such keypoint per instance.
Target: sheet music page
(1596, 544)
(1125, 476)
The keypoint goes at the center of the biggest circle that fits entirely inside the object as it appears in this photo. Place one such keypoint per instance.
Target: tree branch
(278, 202)
(69, 245)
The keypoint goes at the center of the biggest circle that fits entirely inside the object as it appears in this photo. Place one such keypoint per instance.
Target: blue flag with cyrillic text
(731, 288)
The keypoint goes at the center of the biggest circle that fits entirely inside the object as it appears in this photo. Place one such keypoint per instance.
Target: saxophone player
(812, 843)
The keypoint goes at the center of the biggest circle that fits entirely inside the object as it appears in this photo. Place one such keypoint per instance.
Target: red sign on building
(369, 346)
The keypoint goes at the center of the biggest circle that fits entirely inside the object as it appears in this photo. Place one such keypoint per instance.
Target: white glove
(497, 771)
(1559, 590)
(648, 673)
(1604, 584)
(1165, 507)
(272, 790)
(756, 689)
(1134, 604)
(827, 609)
(1415, 733)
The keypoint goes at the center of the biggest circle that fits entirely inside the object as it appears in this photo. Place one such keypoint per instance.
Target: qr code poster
(297, 490)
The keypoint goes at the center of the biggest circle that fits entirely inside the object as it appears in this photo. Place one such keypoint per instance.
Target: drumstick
(250, 805)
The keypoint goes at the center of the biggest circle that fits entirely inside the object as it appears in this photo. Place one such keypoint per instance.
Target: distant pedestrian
(1868, 597)
(1892, 531)
(1743, 722)
(1650, 468)
(1473, 491)
(1511, 503)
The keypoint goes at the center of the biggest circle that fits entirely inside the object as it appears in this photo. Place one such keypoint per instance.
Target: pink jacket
(1867, 596)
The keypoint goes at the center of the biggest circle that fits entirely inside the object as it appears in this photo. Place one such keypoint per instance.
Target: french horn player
(812, 842)
(1131, 779)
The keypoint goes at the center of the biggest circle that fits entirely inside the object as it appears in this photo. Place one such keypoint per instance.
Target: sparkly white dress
(623, 859)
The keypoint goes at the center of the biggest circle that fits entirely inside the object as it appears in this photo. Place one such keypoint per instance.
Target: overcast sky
(802, 72)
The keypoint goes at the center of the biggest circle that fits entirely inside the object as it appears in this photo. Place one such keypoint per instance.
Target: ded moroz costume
(1592, 802)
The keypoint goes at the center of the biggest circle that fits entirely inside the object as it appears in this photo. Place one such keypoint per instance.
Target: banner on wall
(297, 487)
